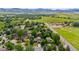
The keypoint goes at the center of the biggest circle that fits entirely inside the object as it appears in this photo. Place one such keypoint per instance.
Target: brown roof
(3, 49)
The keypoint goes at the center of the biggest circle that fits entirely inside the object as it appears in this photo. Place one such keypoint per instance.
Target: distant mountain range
(19, 10)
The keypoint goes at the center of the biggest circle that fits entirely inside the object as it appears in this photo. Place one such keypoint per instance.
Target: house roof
(3, 49)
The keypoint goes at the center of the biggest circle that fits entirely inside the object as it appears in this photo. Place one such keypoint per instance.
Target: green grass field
(51, 19)
(71, 34)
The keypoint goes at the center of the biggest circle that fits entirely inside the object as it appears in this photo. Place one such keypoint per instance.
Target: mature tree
(34, 32)
(29, 48)
(44, 42)
(19, 47)
(9, 37)
(27, 42)
(8, 32)
(20, 33)
(56, 38)
(67, 48)
(0, 39)
(61, 48)
(75, 24)
(49, 47)
(31, 40)
(9, 45)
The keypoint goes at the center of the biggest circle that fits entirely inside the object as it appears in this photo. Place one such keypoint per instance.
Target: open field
(71, 34)
(53, 19)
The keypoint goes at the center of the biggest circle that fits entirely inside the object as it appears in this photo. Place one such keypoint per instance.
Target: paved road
(62, 39)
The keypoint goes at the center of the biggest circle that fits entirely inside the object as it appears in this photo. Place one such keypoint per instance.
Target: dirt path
(63, 39)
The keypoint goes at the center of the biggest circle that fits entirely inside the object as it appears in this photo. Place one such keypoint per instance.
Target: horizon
(43, 8)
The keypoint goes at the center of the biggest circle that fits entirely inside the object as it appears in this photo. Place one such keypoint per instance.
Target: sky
(52, 4)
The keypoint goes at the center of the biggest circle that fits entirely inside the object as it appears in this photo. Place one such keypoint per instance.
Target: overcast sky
(39, 4)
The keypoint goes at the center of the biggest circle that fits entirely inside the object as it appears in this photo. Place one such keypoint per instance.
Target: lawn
(71, 34)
